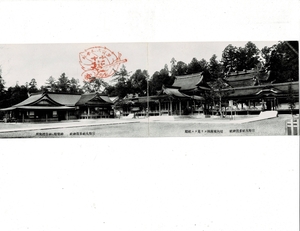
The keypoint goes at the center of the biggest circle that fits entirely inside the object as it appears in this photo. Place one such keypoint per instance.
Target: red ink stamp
(99, 62)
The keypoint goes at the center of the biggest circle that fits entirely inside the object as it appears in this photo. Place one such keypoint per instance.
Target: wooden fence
(292, 127)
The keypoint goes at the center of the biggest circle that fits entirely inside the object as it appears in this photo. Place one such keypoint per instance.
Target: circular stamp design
(99, 62)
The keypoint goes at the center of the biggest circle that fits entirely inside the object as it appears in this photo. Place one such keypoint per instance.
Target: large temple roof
(279, 89)
(188, 82)
(93, 98)
(50, 100)
(65, 99)
(246, 78)
(32, 99)
(47, 101)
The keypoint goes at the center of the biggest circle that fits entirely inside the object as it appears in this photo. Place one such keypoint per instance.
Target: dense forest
(281, 60)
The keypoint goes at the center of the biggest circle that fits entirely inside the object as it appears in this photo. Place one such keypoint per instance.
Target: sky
(22, 62)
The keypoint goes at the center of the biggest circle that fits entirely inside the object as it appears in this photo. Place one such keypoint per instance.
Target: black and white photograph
(138, 115)
(150, 89)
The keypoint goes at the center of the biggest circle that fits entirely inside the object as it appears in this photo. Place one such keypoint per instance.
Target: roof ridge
(188, 75)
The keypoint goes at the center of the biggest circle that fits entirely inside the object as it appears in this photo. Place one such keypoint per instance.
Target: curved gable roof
(56, 99)
(32, 99)
(175, 92)
(86, 98)
(188, 82)
(65, 99)
(246, 78)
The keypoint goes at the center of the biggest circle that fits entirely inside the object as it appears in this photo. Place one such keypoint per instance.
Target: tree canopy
(282, 60)
(240, 58)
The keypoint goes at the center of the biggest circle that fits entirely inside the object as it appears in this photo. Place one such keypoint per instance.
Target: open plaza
(154, 126)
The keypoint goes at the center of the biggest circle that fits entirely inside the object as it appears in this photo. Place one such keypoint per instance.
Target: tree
(241, 59)
(194, 67)
(110, 90)
(218, 94)
(204, 64)
(205, 69)
(178, 68)
(291, 99)
(238, 59)
(123, 85)
(94, 85)
(121, 75)
(16, 95)
(160, 78)
(282, 61)
(215, 68)
(63, 83)
(2, 94)
(252, 54)
(74, 86)
(2, 83)
(173, 65)
(123, 88)
(32, 86)
(50, 85)
(139, 82)
(181, 68)
(229, 58)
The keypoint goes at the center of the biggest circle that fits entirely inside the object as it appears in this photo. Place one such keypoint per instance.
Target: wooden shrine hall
(49, 106)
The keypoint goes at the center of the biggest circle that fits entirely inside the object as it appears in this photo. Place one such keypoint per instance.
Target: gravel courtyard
(143, 128)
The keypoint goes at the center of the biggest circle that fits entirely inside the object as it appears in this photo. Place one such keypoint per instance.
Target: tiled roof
(54, 99)
(65, 99)
(175, 92)
(95, 97)
(188, 82)
(269, 89)
(29, 100)
(106, 99)
(45, 107)
(220, 83)
(246, 78)
(141, 99)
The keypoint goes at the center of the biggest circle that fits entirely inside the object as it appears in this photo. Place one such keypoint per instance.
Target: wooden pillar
(272, 105)
(179, 107)
(171, 108)
(46, 117)
(159, 108)
(88, 112)
(194, 106)
(23, 119)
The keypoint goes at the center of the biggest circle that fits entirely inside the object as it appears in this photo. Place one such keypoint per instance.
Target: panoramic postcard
(248, 88)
